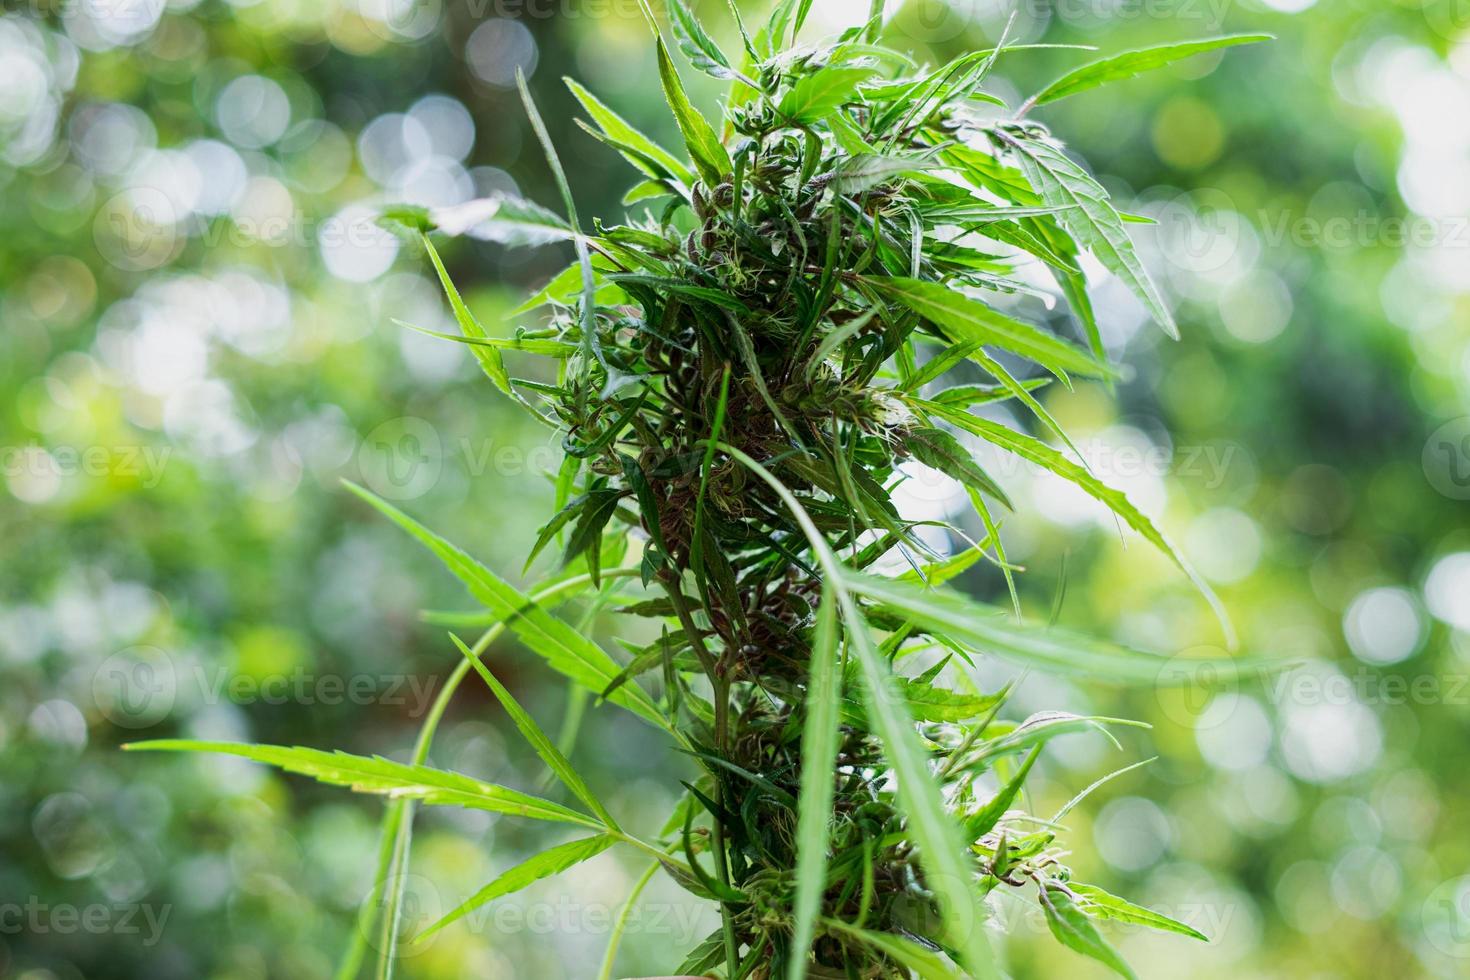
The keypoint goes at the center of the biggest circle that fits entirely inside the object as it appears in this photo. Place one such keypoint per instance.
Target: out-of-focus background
(198, 344)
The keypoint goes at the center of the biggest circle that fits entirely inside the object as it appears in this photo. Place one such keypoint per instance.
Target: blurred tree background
(199, 343)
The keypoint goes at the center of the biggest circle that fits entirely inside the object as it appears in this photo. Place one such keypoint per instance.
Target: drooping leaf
(1041, 454)
(532, 733)
(988, 630)
(505, 219)
(1073, 929)
(1090, 217)
(939, 449)
(564, 649)
(964, 319)
(1040, 728)
(950, 872)
(490, 360)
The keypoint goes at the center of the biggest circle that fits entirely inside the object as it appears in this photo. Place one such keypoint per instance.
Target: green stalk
(397, 823)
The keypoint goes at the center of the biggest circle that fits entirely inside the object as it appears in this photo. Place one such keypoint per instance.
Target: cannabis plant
(741, 372)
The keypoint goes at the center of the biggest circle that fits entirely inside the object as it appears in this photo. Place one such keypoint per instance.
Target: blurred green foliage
(199, 342)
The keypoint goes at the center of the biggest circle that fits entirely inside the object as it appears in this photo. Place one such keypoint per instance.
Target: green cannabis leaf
(741, 373)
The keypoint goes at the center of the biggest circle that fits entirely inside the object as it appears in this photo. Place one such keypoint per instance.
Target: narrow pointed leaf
(564, 649)
(543, 865)
(946, 861)
(1073, 929)
(961, 318)
(1102, 905)
(1090, 217)
(1131, 64)
(701, 50)
(985, 819)
(925, 963)
(939, 449)
(710, 157)
(383, 777)
(818, 755)
(1041, 454)
(490, 360)
(532, 733)
(622, 133)
(989, 630)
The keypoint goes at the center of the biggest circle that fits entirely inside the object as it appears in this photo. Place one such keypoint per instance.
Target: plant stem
(722, 722)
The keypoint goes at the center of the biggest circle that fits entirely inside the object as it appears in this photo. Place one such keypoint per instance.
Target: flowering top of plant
(741, 369)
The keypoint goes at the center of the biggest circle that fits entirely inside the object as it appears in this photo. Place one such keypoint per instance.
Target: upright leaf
(983, 821)
(636, 147)
(710, 157)
(702, 51)
(818, 755)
